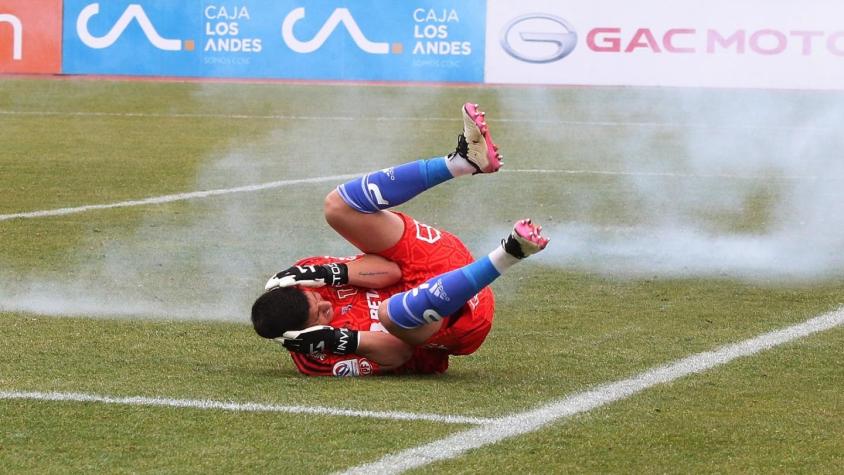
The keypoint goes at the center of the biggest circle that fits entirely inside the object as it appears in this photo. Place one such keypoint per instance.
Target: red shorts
(424, 252)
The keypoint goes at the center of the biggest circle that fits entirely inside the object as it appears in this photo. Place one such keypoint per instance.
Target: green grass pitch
(153, 300)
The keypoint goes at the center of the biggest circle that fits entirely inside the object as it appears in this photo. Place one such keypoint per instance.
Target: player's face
(320, 311)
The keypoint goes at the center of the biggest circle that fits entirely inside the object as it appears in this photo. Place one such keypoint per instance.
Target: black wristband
(345, 341)
(338, 274)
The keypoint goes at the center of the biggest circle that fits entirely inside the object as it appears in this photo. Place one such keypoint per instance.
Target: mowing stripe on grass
(282, 183)
(406, 118)
(237, 406)
(533, 420)
(732, 176)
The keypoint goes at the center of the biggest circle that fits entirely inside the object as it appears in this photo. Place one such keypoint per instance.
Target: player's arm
(382, 348)
(373, 272)
(368, 271)
(385, 349)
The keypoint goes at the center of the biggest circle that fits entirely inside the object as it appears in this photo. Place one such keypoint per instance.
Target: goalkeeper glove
(321, 339)
(335, 275)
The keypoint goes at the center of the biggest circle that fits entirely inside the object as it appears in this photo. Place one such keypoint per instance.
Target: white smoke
(743, 185)
(209, 259)
(747, 186)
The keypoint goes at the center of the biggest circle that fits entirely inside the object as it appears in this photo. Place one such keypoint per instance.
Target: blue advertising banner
(382, 40)
(153, 37)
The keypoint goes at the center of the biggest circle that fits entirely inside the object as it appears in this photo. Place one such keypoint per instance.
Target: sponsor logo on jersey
(373, 301)
(365, 368)
(346, 368)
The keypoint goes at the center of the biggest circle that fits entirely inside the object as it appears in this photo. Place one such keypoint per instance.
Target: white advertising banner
(775, 44)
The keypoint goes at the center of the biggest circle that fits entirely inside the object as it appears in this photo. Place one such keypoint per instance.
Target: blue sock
(393, 186)
(441, 296)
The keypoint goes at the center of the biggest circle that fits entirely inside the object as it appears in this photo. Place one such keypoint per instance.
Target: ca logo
(340, 15)
(133, 12)
(17, 34)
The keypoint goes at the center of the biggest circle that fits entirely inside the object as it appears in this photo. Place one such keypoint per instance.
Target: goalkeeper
(414, 297)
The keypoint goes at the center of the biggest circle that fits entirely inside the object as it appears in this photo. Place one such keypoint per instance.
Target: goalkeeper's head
(289, 308)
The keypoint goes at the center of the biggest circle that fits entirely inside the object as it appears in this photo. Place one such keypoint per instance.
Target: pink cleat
(475, 143)
(525, 240)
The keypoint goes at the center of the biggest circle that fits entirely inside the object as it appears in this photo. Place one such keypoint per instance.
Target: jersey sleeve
(334, 365)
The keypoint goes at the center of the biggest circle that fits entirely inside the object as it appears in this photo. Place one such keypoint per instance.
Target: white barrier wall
(712, 43)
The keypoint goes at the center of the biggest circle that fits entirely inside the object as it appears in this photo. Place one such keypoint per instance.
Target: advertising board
(30, 36)
(430, 40)
(152, 37)
(718, 43)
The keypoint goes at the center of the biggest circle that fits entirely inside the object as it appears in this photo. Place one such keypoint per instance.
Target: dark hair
(279, 310)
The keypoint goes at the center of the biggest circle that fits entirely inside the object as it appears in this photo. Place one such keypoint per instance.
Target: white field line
(175, 197)
(337, 118)
(529, 421)
(205, 404)
(282, 183)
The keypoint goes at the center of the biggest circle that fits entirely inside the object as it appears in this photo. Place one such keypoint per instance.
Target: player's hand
(335, 275)
(320, 339)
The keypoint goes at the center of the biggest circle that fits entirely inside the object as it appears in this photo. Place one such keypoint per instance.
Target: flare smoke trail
(753, 189)
(212, 260)
(741, 184)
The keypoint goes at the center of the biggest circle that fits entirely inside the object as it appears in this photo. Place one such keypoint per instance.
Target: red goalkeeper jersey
(422, 253)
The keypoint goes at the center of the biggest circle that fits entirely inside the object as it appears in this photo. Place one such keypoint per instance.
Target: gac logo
(340, 15)
(538, 38)
(133, 12)
(17, 34)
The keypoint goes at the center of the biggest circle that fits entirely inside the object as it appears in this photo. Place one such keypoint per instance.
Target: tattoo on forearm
(371, 273)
